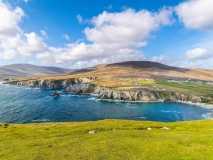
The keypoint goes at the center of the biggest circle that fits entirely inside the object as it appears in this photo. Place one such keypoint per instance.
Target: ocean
(26, 105)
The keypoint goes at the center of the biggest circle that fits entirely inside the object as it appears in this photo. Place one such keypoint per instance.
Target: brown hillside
(146, 69)
(135, 69)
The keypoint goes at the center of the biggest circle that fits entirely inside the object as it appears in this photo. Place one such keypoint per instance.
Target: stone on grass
(92, 132)
(166, 128)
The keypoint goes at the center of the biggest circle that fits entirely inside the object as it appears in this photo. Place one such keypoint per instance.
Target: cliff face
(83, 86)
(147, 96)
(52, 83)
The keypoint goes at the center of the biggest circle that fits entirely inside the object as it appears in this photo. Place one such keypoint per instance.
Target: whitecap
(143, 117)
(93, 99)
(169, 111)
(40, 120)
(207, 115)
(28, 88)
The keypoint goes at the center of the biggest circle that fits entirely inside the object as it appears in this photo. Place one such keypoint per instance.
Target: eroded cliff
(84, 86)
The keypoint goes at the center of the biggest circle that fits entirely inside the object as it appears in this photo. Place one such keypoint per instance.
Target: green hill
(114, 139)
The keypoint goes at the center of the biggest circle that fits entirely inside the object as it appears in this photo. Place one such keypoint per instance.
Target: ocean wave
(93, 99)
(71, 95)
(28, 88)
(143, 117)
(40, 120)
(207, 115)
(169, 111)
(108, 100)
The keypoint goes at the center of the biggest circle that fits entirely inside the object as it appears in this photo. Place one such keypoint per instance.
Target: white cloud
(44, 34)
(8, 55)
(162, 59)
(109, 7)
(115, 30)
(197, 53)
(80, 19)
(112, 38)
(13, 41)
(25, 1)
(186, 63)
(9, 20)
(33, 44)
(196, 14)
(66, 37)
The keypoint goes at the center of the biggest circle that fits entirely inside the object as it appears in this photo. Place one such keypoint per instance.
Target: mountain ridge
(22, 69)
(146, 69)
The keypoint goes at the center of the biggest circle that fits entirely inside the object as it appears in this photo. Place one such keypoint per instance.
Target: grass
(196, 89)
(115, 139)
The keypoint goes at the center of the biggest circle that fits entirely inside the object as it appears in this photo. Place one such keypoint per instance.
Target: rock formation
(84, 86)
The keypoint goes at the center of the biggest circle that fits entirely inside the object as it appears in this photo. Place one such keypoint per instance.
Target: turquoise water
(26, 105)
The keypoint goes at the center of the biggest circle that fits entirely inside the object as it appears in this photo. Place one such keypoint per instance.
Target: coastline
(203, 105)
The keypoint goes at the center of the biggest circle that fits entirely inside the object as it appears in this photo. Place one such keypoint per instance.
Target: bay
(26, 105)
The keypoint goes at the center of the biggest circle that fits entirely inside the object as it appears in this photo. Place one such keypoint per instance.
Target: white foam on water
(143, 117)
(40, 120)
(207, 115)
(93, 99)
(28, 88)
(170, 111)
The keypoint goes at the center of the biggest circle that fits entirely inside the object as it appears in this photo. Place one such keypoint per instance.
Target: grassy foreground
(115, 139)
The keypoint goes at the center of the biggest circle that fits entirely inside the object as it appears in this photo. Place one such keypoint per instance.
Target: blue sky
(78, 34)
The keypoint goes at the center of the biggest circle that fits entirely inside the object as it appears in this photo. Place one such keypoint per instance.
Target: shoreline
(203, 105)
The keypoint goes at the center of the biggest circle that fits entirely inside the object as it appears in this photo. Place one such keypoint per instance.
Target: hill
(30, 70)
(114, 139)
(146, 69)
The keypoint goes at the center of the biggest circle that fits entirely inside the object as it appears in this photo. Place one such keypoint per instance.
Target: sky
(84, 33)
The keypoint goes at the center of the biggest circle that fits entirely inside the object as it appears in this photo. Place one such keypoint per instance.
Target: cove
(26, 105)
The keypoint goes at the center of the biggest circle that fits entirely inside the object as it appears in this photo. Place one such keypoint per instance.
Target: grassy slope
(195, 89)
(115, 139)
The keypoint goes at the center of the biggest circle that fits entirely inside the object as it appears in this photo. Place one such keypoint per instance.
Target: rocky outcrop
(51, 83)
(146, 96)
(84, 86)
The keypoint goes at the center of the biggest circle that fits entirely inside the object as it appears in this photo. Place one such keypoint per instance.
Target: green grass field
(114, 140)
(196, 89)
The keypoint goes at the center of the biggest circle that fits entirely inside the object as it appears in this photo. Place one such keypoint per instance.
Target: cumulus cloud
(115, 30)
(161, 58)
(197, 53)
(196, 14)
(10, 19)
(33, 44)
(8, 55)
(112, 38)
(13, 41)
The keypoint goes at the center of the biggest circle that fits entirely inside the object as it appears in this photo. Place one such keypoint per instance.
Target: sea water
(26, 105)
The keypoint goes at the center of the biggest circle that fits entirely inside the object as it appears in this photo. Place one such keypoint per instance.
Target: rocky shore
(84, 86)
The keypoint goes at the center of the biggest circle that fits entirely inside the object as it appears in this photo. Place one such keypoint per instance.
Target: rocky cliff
(51, 83)
(147, 96)
(84, 86)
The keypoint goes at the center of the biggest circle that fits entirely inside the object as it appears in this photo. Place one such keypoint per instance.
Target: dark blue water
(25, 105)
